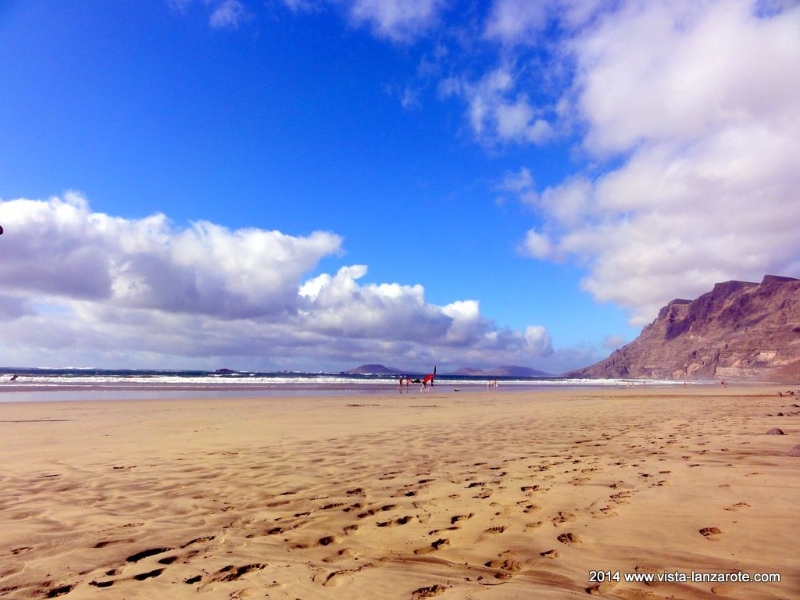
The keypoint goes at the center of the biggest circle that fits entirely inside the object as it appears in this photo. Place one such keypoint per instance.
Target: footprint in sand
(455, 519)
(569, 539)
(328, 540)
(206, 538)
(738, 506)
(441, 542)
(148, 574)
(232, 573)
(373, 511)
(620, 498)
(428, 592)
(333, 579)
(133, 558)
(507, 568)
(711, 533)
(401, 521)
(562, 517)
(138, 577)
(59, 591)
(601, 588)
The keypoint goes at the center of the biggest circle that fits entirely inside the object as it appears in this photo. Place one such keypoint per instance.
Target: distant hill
(373, 370)
(376, 369)
(510, 371)
(738, 330)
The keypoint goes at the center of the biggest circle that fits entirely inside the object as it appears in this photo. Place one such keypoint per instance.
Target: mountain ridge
(739, 330)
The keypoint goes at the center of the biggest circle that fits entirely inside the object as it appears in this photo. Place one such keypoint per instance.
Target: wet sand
(484, 495)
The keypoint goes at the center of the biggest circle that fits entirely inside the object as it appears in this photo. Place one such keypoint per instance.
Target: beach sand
(479, 495)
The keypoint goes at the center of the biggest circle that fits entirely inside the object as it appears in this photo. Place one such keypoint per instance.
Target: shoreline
(484, 495)
(68, 392)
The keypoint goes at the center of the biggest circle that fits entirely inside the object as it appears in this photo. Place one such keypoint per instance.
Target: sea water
(33, 384)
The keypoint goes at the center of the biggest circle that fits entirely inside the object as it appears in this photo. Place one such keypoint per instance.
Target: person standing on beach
(428, 380)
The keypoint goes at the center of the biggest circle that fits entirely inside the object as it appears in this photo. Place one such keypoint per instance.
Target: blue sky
(315, 184)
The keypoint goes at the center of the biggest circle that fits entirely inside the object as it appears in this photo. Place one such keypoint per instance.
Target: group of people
(427, 381)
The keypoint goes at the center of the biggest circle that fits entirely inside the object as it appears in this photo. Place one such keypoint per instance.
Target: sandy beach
(480, 495)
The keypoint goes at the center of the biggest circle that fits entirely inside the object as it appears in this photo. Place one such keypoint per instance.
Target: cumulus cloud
(61, 248)
(690, 122)
(338, 305)
(113, 291)
(497, 110)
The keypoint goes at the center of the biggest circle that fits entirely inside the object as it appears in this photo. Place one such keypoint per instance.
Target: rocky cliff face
(738, 330)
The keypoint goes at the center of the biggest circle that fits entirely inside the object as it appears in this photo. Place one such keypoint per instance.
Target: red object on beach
(429, 378)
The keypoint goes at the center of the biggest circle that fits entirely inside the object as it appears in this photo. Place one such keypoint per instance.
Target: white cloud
(396, 20)
(516, 21)
(497, 111)
(61, 248)
(522, 22)
(537, 337)
(697, 68)
(225, 14)
(179, 5)
(110, 291)
(519, 183)
(302, 5)
(538, 245)
(690, 112)
(393, 20)
(410, 99)
(467, 326)
(228, 14)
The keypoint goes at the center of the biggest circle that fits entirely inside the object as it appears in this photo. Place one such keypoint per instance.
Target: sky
(319, 184)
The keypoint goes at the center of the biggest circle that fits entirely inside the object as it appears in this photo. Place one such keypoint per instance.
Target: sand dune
(485, 495)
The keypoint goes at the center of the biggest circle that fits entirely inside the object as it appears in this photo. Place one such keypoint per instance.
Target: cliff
(737, 331)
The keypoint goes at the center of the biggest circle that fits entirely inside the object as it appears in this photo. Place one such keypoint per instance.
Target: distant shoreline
(74, 389)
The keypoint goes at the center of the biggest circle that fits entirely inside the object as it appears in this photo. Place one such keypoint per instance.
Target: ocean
(35, 384)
